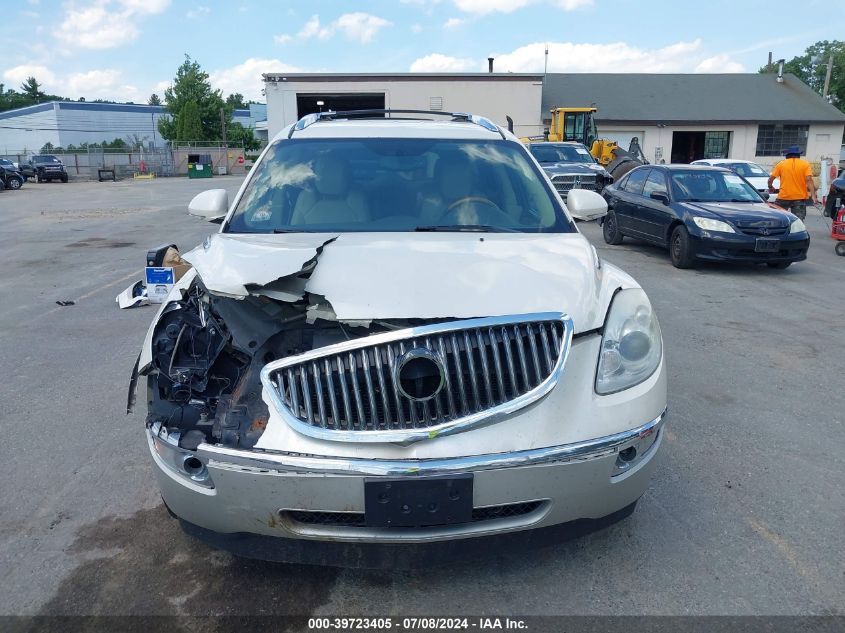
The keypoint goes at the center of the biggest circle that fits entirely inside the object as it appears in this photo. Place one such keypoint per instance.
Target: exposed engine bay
(208, 352)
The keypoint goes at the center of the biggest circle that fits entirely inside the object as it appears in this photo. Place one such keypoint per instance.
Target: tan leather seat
(331, 200)
(453, 177)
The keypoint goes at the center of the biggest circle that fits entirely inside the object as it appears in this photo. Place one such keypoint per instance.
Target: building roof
(382, 77)
(689, 98)
(98, 107)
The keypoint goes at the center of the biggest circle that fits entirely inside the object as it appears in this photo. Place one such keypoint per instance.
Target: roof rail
(329, 115)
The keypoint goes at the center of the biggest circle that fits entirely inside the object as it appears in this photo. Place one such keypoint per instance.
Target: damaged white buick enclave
(399, 340)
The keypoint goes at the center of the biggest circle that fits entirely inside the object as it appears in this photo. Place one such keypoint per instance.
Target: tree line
(811, 67)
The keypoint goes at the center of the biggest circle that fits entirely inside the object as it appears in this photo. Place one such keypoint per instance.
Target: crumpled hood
(367, 276)
(741, 214)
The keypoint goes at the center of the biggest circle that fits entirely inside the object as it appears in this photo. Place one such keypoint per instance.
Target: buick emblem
(419, 374)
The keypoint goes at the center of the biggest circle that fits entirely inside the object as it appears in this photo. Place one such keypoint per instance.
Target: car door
(654, 215)
(628, 198)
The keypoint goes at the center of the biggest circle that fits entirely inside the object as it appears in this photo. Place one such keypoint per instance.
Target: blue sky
(127, 49)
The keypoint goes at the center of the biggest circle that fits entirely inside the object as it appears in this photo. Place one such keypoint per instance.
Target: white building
(679, 118)
(65, 123)
(676, 117)
(494, 95)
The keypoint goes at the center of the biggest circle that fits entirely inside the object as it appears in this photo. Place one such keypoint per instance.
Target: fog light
(628, 455)
(194, 468)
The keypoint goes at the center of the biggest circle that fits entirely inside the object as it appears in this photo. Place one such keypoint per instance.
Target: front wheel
(64, 178)
(779, 265)
(680, 249)
(610, 229)
(840, 249)
(14, 183)
(39, 178)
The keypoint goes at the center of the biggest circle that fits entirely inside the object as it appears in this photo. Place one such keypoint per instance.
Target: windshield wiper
(469, 228)
(292, 231)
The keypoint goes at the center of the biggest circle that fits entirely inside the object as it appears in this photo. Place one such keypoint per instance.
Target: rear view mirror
(585, 205)
(211, 205)
(659, 195)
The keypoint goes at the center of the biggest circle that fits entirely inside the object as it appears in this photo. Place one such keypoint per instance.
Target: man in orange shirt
(796, 182)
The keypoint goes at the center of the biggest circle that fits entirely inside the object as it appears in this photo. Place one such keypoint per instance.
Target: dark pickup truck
(44, 167)
(10, 176)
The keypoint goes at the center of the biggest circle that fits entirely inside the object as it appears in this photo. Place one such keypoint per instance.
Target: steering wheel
(491, 215)
(472, 199)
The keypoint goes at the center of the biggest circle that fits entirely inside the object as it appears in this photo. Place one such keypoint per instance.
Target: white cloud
(437, 63)
(452, 23)
(93, 84)
(105, 24)
(311, 28)
(483, 7)
(719, 64)
(246, 79)
(416, 28)
(198, 12)
(610, 57)
(18, 75)
(282, 39)
(161, 86)
(360, 27)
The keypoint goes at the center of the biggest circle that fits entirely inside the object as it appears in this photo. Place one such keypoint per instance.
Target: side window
(656, 182)
(636, 180)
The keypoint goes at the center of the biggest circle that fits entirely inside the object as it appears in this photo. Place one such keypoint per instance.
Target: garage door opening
(690, 146)
(307, 103)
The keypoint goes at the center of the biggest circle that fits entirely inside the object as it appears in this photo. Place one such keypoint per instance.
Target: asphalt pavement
(745, 514)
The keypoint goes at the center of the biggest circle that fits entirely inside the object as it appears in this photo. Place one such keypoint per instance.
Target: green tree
(811, 68)
(236, 101)
(239, 136)
(154, 100)
(32, 89)
(191, 85)
(190, 124)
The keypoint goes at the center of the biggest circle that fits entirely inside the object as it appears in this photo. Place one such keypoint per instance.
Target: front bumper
(740, 248)
(261, 493)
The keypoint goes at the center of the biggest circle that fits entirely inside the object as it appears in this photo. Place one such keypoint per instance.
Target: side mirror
(659, 195)
(210, 205)
(585, 205)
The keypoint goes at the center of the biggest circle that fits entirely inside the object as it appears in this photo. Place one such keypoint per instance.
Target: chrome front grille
(566, 182)
(354, 390)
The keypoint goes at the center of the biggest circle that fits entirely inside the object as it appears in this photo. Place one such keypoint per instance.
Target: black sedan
(702, 213)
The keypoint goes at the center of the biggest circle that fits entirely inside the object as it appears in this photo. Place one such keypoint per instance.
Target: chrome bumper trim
(264, 461)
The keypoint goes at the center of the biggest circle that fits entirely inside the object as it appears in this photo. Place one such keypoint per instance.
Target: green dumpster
(199, 166)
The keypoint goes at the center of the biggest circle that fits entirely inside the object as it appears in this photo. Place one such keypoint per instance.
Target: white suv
(399, 336)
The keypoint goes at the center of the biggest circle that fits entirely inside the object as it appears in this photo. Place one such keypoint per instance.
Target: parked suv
(45, 167)
(10, 176)
(399, 336)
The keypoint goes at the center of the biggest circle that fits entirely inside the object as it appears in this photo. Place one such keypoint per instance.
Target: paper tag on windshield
(581, 150)
(732, 179)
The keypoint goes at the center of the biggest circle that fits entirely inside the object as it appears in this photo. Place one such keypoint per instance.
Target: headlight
(709, 224)
(797, 226)
(631, 347)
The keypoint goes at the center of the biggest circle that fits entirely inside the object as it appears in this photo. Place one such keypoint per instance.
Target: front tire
(39, 178)
(14, 183)
(610, 229)
(64, 178)
(840, 249)
(680, 249)
(779, 265)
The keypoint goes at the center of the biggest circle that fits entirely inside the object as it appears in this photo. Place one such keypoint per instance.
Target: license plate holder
(419, 502)
(766, 245)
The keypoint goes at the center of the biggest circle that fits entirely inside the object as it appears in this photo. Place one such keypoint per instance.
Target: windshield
(711, 186)
(747, 170)
(389, 184)
(548, 153)
(47, 159)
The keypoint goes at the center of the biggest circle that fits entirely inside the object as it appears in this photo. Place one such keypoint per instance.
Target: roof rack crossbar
(329, 115)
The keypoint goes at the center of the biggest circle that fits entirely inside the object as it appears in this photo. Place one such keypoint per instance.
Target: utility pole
(223, 125)
(827, 75)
